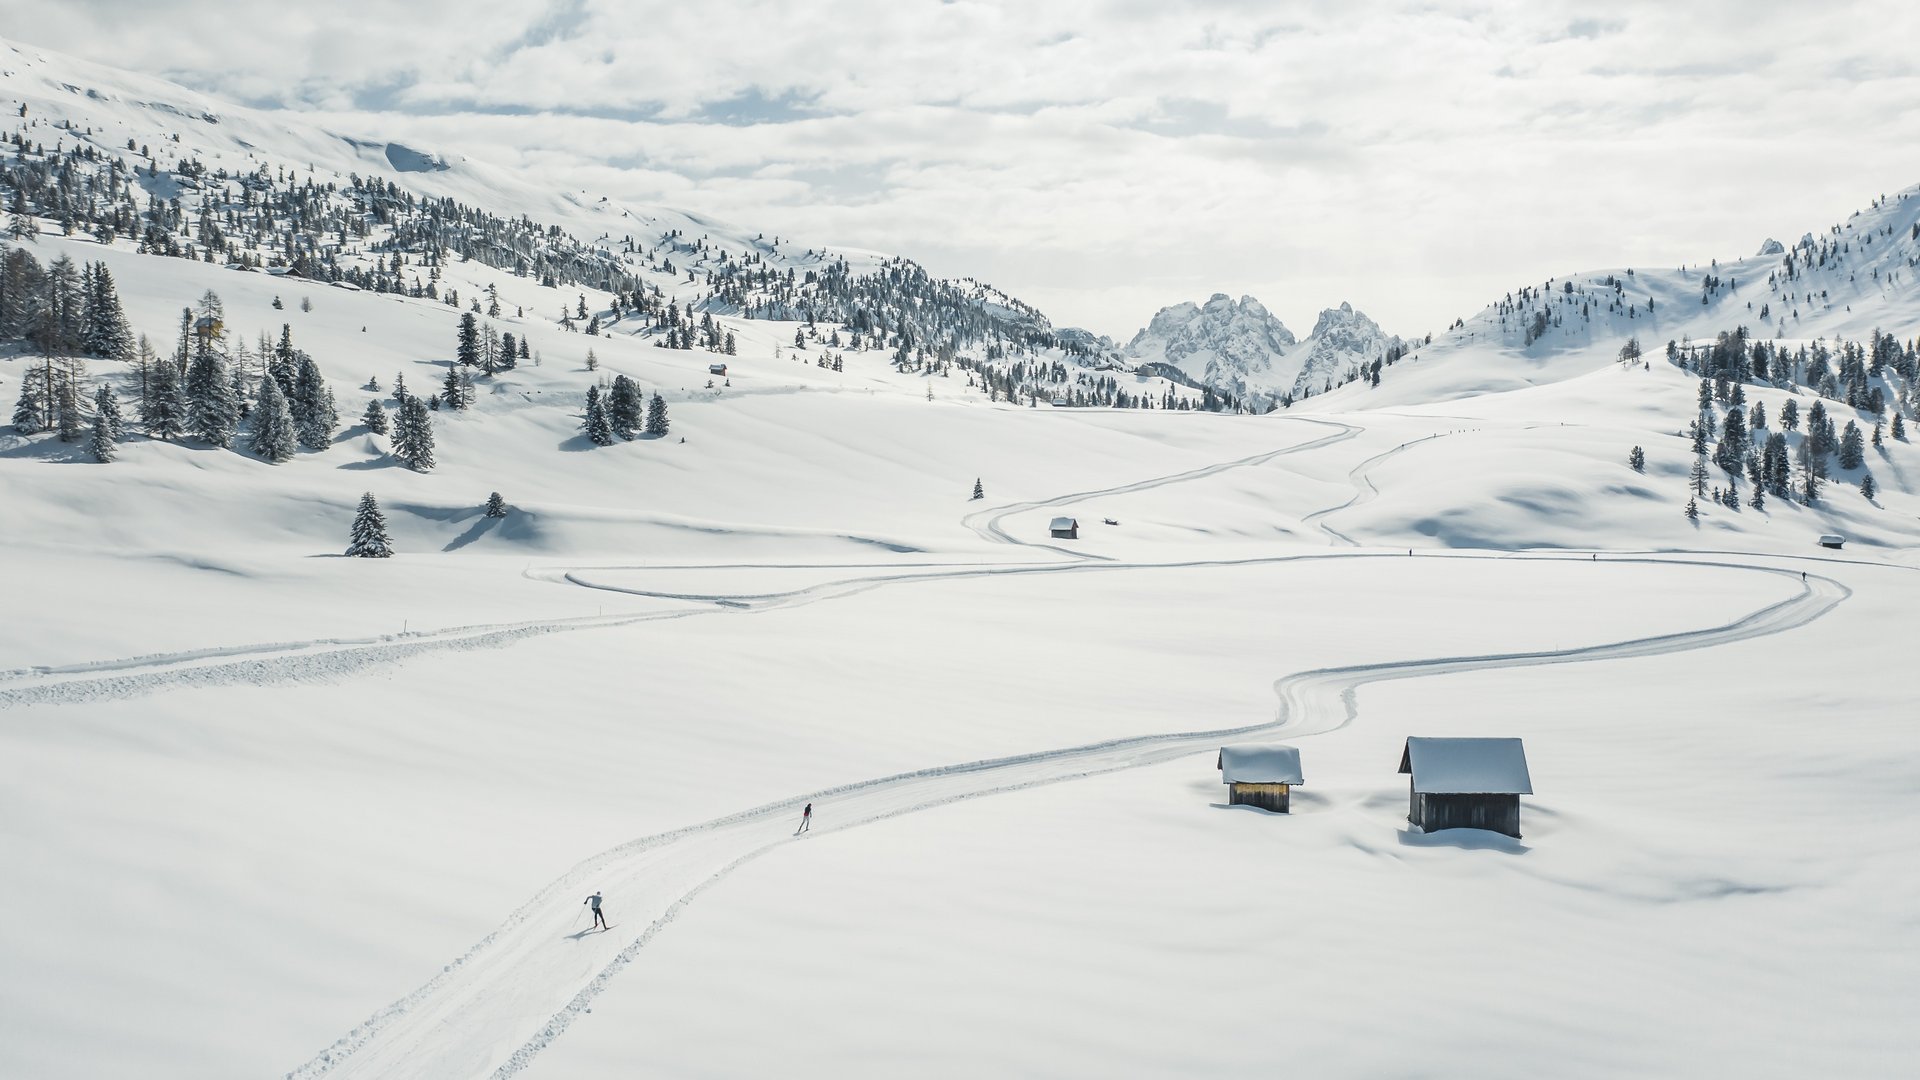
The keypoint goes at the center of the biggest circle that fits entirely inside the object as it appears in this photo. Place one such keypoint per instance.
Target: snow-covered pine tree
(213, 413)
(1693, 509)
(375, 418)
(1636, 460)
(107, 407)
(1853, 450)
(453, 390)
(467, 349)
(624, 407)
(315, 417)
(104, 324)
(68, 419)
(657, 423)
(496, 506)
(599, 431)
(369, 539)
(1867, 488)
(165, 415)
(33, 411)
(273, 427)
(980, 492)
(593, 362)
(413, 435)
(1898, 429)
(102, 443)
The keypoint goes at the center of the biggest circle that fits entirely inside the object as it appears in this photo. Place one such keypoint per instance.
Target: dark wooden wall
(1496, 813)
(1266, 796)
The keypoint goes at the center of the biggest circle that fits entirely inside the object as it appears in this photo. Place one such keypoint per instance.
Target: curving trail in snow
(986, 523)
(492, 1011)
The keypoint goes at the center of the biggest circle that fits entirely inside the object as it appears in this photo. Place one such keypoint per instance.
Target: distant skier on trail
(806, 820)
(599, 920)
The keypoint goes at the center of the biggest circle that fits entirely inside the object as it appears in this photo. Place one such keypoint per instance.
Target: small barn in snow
(1833, 541)
(1065, 528)
(1260, 776)
(716, 369)
(1466, 783)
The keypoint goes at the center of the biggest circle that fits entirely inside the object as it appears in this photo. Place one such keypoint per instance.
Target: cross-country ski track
(494, 1009)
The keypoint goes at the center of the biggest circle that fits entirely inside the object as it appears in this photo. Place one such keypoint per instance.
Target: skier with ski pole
(599, 920)
(806, 820)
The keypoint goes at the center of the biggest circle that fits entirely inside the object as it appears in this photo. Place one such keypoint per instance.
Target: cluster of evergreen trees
(621, 413)
(1799, 458)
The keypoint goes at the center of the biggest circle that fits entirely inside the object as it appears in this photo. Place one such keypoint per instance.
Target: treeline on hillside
(371, 234)
(1795, 452)
(211, 388)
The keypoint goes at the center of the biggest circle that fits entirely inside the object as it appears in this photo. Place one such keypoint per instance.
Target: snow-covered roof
(1260, 765)
(1063, 523)
(1467, 766)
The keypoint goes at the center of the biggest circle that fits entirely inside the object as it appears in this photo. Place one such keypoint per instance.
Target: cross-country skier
(806, 820)
(599, 920)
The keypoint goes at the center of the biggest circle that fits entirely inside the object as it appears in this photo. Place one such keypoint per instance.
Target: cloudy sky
(1105, 159)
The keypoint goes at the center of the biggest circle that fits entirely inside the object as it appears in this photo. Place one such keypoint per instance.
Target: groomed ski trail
(986, 523)
(493, 1010)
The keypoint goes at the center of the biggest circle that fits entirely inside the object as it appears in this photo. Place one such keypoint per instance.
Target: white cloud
(1106, 158)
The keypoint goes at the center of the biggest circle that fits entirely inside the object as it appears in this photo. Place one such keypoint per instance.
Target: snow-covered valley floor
(238, 854)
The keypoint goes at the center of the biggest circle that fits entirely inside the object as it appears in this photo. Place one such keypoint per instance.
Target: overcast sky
(1102, 160)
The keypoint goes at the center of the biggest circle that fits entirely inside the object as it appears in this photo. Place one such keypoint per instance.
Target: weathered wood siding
(1495, 813)
(1266, 796)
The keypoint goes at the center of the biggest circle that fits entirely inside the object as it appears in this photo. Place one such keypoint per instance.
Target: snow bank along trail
(490, 1012)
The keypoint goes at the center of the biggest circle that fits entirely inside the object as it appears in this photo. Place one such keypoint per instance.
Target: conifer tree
(375, 418)
(102, 443)
(213, 413)
(496, 506)
(624, 407)
(165, 416)
(454, 389)
(980, 492)
(413, 435)
(107, 407)
(1693, 509)
(1697, 479)
(67, 419)
(1867, 489)
(315, 418)
(369, 538)
(105, 325)
(657, 422)
(1898, 428)
(1636, 459)
(1852, 447)
(599, 431)
(467, 351)
(33, 411)
(273, 429)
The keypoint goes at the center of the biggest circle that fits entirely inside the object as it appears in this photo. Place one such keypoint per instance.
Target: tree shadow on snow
(371, 463)
(474, 532)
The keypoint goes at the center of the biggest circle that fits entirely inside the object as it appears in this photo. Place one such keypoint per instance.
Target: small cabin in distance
(1064, 528)
(716, 369)
(1833, 541)
(1466, 783)
(1260, 776)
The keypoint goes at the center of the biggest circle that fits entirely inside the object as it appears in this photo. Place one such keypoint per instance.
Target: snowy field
(269, 811)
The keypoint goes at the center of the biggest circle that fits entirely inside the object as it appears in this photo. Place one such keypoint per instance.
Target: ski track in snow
(494, 1009)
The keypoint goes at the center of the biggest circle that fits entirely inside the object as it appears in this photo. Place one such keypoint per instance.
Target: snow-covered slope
(1241, 348)
(267, 810)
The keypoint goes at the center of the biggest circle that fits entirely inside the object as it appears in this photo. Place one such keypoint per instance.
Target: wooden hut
(1466, 783)
(1833, 541)
(716, 369)
(1260, 776)
(1065, 528)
